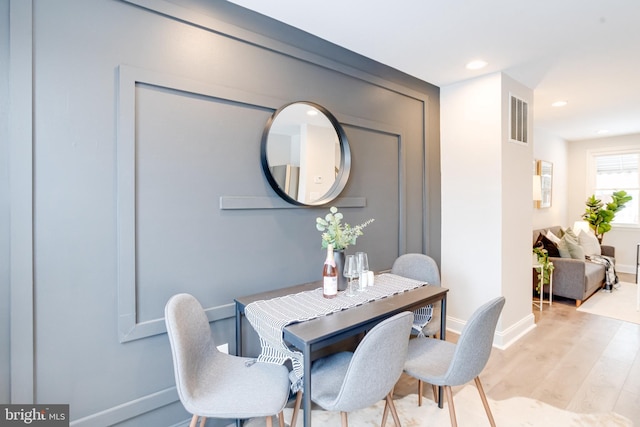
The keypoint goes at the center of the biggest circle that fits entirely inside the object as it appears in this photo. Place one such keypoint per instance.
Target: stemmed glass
(350, 272)
(363, 270)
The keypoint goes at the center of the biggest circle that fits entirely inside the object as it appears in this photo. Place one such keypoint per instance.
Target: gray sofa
(574, 278)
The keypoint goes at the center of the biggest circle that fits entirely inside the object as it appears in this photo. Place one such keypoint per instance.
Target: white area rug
(513, 412)
(619, 303)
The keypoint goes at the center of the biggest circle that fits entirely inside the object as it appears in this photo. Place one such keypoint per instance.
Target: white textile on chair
(269, 317)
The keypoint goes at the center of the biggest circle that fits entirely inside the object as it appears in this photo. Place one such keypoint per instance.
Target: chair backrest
(190, 339)
(417, 267)
(376, 364)
(474, 345)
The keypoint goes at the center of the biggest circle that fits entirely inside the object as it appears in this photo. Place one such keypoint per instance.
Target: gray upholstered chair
(446, 364)
(349, 381)
(212, 384)
(421, 267)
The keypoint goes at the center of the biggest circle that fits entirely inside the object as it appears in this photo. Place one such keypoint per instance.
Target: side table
(540, 269)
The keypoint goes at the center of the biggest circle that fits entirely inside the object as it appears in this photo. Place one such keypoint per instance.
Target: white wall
(317, 154)
(624, 239)
(486, 205)
(553, 149)
(516, 201)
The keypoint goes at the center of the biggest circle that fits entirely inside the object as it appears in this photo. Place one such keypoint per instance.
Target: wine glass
(363, 270)
(350, 272)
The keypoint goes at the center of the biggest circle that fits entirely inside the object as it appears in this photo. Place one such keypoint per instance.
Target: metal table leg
(306, 394)
(443, 336)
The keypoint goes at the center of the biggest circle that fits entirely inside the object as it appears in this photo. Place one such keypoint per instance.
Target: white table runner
(269, 317)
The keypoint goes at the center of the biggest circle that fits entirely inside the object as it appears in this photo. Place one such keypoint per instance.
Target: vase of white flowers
(340, 235)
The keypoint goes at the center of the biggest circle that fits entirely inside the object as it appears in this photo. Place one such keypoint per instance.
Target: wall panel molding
(151, 39)
(129, 410)
(21, 200)
(129, 326)
(259, 202)
(175, 11)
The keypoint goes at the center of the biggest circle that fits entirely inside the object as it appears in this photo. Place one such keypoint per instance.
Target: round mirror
(305, 154)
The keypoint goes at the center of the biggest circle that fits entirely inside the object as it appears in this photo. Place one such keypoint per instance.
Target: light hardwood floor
(571, 360)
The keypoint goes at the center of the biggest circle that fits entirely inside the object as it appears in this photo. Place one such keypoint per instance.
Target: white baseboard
(501, 339)
(624, 268)
(504, 339)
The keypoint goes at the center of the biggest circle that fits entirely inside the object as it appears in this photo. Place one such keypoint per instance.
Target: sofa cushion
(593, 275)
(556, 230)
(551, 236)
(548, 245)
(569, 247)
(589, 243)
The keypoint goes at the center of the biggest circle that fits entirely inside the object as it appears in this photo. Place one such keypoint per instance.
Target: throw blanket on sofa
(610, 276)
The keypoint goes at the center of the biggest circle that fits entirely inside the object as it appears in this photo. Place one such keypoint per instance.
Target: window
(614, 172)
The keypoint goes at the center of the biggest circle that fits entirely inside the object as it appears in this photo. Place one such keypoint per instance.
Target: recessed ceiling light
(559, 103)
(476, 65)
(312, 112)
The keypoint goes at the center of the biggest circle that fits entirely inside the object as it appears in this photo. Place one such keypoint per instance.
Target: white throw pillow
(589, 243)
(555, 239)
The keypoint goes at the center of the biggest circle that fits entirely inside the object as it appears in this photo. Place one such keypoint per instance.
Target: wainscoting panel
(147, 121)
(168, 155)
(168, 160)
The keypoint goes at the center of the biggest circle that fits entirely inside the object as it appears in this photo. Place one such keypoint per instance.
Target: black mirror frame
(345, 159)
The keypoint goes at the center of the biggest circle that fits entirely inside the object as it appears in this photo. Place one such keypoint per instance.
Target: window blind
(618, 163)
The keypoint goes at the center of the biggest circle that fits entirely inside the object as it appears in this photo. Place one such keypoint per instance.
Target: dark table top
(361, 318)
(327, 329)
(242, 302)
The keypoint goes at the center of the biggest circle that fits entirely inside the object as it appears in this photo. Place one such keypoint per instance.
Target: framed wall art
(545, 170)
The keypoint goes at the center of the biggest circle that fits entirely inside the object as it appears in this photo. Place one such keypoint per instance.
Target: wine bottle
(329, 275)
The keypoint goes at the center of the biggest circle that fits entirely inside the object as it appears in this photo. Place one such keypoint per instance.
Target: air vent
(518, 118)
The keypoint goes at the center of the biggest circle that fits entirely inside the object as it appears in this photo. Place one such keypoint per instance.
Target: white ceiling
(585, 52)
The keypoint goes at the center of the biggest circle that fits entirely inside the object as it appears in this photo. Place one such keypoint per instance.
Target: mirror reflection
(305, 154)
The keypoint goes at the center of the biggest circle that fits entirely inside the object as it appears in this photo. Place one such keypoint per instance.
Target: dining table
(294, 323)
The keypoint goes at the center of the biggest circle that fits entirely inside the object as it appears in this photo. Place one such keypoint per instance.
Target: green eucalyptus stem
(336, 233)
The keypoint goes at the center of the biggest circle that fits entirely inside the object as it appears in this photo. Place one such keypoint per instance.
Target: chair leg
(194, 421)
(385, 414)
(203, 420)
(343, 417)
(281, 419)
(389, 403)
(485, 402)
(421, 391)
(296, 409)
(452, 410)
(269, 421)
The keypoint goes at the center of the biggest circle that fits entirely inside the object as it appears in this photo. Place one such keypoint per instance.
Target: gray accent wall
(4, 203)
(135, 174)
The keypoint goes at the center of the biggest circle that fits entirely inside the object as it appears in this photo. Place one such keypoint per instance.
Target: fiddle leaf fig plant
(599, 216)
